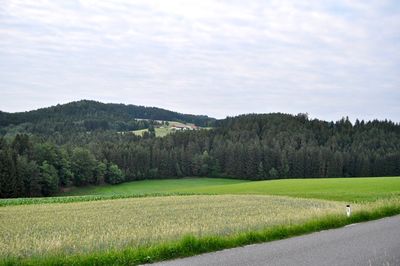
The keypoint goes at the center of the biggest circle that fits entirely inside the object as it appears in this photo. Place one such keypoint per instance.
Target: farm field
(152, 186)
(136, 133)
(340, 189)
(234, 211)
(113, 224)
(164, 129)
(160, 132)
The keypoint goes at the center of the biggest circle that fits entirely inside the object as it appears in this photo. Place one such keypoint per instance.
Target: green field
(152, 186)
(160, 132)
(164, 129)
(339, 189)
(124, 224)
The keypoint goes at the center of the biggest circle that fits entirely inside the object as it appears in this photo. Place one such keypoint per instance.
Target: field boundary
(72, 199)
(191, 245)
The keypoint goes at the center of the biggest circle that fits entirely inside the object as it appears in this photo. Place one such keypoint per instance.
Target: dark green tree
(48, 179)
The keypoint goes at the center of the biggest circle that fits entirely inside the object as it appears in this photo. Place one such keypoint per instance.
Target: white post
(348, 210)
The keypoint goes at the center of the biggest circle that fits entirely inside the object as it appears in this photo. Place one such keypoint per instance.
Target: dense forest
(41, 159)
(87, 116)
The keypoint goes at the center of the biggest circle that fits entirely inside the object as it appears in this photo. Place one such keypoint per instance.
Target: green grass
(164, 130)
(191, 245)
(153, 186)
(137, 228)
(160, 132)
(72, 199)
(338, 189)
(140, 132)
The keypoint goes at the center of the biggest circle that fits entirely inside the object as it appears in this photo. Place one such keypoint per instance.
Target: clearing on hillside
(167, 127)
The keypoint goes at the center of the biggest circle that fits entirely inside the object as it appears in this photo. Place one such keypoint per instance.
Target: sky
(220, 58)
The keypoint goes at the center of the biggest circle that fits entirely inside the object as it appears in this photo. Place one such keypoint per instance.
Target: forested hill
(92, 115)
(255, 147)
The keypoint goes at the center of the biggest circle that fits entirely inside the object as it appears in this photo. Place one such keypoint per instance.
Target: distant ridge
(93, 110)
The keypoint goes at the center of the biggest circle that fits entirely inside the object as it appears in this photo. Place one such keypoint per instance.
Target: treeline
(30, 169)
(254, 147)
(264, 147)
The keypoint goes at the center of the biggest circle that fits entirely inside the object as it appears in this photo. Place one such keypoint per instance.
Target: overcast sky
(327, 58)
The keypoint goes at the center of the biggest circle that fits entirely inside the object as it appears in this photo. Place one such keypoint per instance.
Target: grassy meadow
(125, 224)
(160, 132)
(339, 189)
(153, 186)
(164, 130)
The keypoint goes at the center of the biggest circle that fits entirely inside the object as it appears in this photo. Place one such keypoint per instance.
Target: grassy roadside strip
(69, 199)
(191, 245)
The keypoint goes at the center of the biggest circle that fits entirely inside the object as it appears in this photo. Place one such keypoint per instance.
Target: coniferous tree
(247, 147)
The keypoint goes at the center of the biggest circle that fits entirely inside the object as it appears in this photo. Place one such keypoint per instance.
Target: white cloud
(328, 58)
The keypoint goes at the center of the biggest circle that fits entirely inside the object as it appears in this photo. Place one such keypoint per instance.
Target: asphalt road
(371, 243)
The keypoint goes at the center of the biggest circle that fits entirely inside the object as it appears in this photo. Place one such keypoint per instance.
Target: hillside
(89, 116)
(163, 128)
(249, 147)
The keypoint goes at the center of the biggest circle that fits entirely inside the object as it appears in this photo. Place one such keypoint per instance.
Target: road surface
(371, 243)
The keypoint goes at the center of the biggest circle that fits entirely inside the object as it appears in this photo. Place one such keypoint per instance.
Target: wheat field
(83, 227)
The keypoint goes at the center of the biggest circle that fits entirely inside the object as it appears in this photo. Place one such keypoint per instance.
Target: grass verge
(190, 245)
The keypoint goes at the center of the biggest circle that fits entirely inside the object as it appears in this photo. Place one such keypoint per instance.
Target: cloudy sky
(327, 58)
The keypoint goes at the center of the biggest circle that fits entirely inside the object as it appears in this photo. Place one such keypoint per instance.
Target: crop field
(104, 225)
(99, 221)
